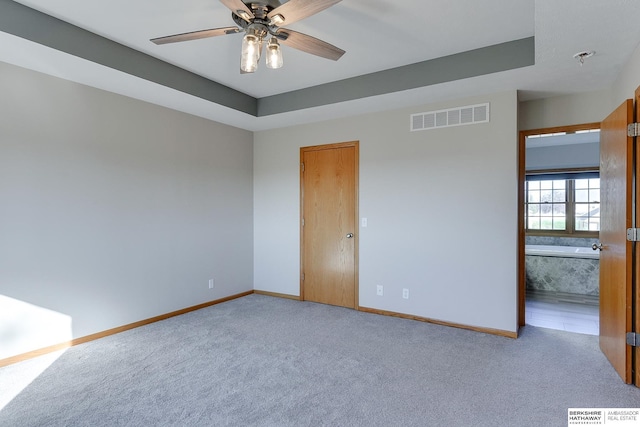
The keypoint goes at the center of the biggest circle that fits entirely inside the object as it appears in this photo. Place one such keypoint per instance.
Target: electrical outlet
(405, 293)
(210, 283)
(380, 291)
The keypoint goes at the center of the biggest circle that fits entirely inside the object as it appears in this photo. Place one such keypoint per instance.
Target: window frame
(563, 174)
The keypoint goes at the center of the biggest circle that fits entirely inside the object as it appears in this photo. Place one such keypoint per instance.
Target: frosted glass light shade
(274, 54)
(250, 53)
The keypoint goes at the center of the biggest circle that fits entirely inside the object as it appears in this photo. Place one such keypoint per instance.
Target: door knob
(349, 235)
(596, 246)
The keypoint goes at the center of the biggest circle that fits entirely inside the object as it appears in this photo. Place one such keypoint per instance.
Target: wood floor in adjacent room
(564, 316)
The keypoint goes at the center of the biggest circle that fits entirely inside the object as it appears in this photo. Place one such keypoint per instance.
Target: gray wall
(563, 156)
(627, 82)
(423, 193)
(565, 110)
(113, 210)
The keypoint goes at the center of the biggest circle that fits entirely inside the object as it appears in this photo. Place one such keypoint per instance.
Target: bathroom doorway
(560, 221)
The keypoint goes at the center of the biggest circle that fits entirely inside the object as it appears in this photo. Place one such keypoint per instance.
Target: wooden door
(636, 283)
(329, 180)
(616, 262)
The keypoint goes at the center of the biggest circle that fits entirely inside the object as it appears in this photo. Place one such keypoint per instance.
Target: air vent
(467, 115)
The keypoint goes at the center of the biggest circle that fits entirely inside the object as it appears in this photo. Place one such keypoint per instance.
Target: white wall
(441, 208)
(113, 210)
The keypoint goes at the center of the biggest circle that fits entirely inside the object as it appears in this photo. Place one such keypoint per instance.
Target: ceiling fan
(260, 18)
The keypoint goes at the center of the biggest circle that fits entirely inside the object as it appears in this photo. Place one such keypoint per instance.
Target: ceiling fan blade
(194, 35)
(239, 8)
(295, 10)
(309, 44)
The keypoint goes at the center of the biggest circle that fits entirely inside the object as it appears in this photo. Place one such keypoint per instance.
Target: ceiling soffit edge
(38, 27)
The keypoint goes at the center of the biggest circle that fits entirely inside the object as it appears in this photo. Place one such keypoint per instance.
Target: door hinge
(302, 277)
(302, 167)
(633, 235)
(303, 222)
(633, 129)
(633, 339)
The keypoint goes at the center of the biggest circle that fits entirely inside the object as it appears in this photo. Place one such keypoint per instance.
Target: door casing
(522, 148)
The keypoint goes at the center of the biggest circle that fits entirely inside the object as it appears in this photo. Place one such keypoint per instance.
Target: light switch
(364, 222)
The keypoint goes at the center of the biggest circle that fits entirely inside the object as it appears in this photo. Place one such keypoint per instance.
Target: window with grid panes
(587, 204)
(562, 206)
(546, 205)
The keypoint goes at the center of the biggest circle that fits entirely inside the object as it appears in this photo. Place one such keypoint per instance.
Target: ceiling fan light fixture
(274, 54)
(260, 18)
(250, 53)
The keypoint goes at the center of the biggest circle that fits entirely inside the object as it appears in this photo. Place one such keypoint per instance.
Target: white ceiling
(376, 35)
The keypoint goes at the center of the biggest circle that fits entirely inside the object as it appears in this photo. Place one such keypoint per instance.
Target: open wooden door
(616, 256)
(636, 282)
